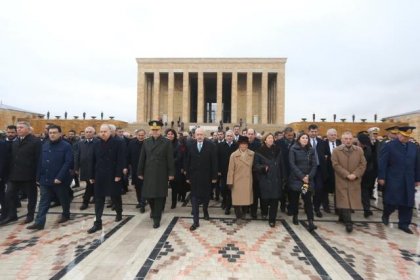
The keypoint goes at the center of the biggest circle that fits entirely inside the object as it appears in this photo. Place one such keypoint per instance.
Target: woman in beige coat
(239, 177)
(349, 165)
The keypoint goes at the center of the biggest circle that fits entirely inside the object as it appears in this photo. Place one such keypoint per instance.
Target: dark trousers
(365, 190)
(89, 192)
(29, 188)
(139, 186)
(156, 206)
(320, 192)
(307, 202)
(226, 194)
(345, 215)
(174, 185)
(2, 199)
(273, 206)
(48, 193)
(196, 201)
(240, 211)
(100, 203)
(256, 197)
(405, 214)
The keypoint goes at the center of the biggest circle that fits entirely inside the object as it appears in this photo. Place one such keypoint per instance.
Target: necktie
(333, 143)
(199, 146)
(316, 152)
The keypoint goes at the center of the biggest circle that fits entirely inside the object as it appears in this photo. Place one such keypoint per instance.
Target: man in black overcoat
(201, 172)
(83, 160)
(4, 161)
(133, 156)
(23, 168)
(156, 168)
(106, 173)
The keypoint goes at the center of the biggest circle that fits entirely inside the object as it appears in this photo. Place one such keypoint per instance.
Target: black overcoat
(133, 156)
(108, 163)
(201, 168)
(83, 158)
(24, 159)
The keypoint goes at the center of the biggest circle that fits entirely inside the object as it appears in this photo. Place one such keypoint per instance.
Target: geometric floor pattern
(219, 249)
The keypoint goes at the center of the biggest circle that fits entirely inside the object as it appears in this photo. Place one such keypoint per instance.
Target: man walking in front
(53, 176)
(156, 167)
(349, 165)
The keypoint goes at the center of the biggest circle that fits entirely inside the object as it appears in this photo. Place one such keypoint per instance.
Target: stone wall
(9, 117)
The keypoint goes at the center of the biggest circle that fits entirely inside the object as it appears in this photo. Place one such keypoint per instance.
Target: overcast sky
(344, 57)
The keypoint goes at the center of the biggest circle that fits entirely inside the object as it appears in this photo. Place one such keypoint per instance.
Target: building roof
(12, 108)
(404, 114)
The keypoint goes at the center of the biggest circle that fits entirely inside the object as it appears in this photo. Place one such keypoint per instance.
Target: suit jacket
(201, 168)
(24, 159)
(83, 158)
(133, 156)
(223, 156)
(321, 151)
(4, 161)
(330, 181)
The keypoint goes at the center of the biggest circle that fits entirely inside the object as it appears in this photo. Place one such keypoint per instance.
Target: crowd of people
(256, 174)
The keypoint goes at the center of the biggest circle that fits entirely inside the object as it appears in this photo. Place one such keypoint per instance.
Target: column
(156, 94)
(234, 101)
(249, 98)
(185, 98)
(141, 100)
(219, 113)
(171, 85)
(280, 97)
(200, 98)
(264, 98)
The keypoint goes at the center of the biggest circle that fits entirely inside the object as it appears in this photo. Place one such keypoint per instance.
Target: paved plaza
(219, 249)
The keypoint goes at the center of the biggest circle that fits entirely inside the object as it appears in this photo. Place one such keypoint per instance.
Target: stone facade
(11, 115)
(210, 90)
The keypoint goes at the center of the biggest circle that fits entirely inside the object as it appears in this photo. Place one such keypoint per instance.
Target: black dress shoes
(311, 226)
(367, 213)
(95, 228)
(206, 216)
(227, 212)
(35, 227)
(385, 220)
(156, 225)
(406, 230)
(327, 210)
(349, 227)
(142, 210)
(272, 224)
(194, 227)
(118, 217)
(63, 220)
(318, 214)
(8, 220)
(28, 220)
(84, 206)
(295, 220)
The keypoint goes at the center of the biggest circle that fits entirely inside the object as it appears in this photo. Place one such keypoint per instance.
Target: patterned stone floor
(218, 249)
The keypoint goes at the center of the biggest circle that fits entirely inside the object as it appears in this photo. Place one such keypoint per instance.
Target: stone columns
(219, 113)
(156, 93)
(185, 97)
(171, 85)
(200, 98)
(264, 98)
(234, 101)
(280, 96)
(141, 100)
(249, 98)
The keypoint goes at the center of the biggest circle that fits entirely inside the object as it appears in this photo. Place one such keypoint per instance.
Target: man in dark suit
(4, 161)
(133, 155)
(156, 167)
(224, 150)
(22, 176)
(320, 195)
(82, 163)
(330, 144)
(284, 145)
(106, 173)
(201, 172)
(255, 144)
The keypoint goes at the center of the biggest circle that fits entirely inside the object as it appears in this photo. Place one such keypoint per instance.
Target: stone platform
(219, 249)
